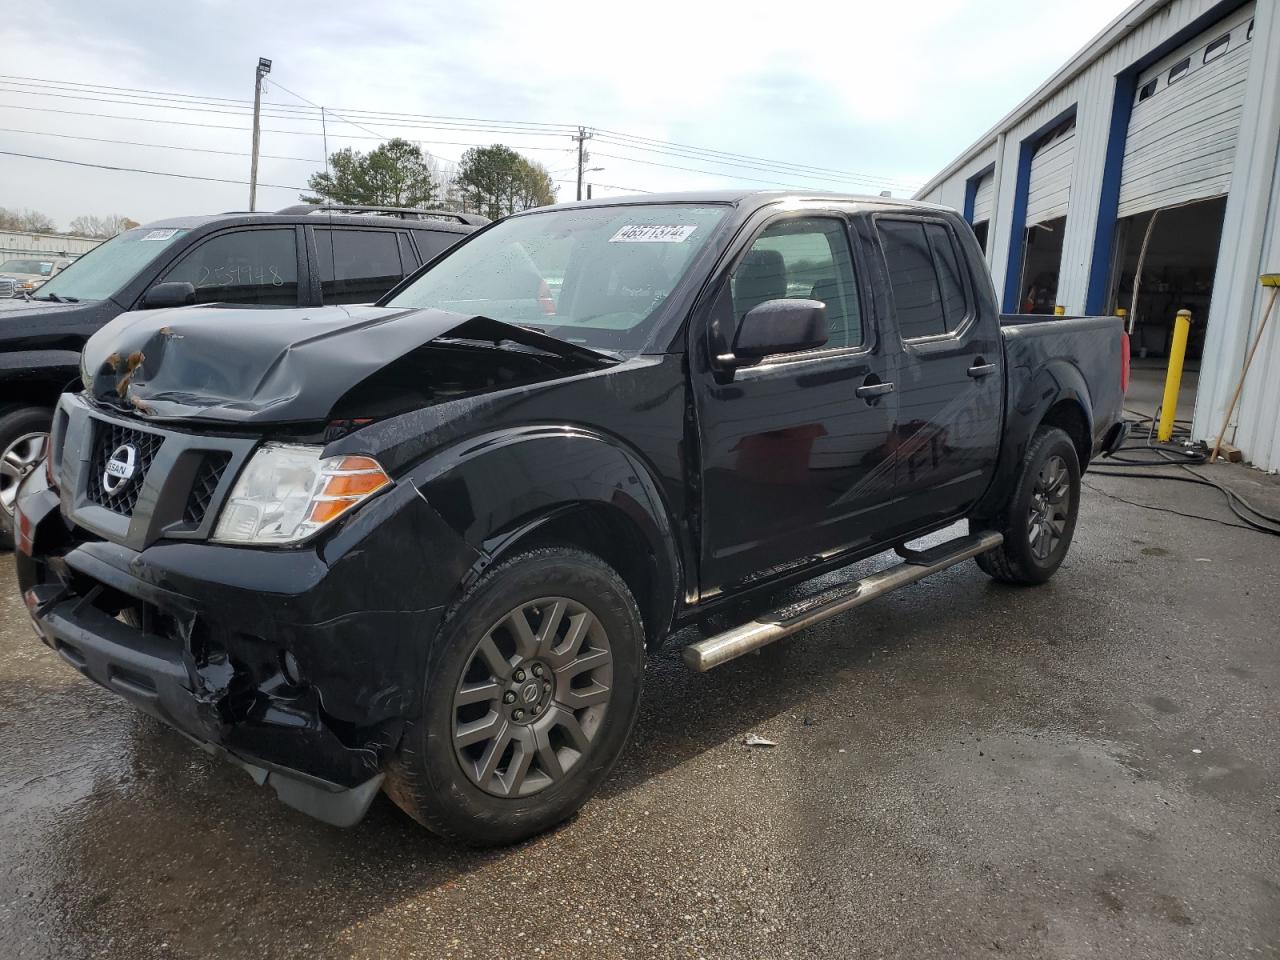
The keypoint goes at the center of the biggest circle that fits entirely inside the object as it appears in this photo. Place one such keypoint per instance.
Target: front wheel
(24, 435)
(533, 684)
(1040, 517)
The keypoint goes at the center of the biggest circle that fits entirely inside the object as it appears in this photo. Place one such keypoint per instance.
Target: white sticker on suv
(649, 233)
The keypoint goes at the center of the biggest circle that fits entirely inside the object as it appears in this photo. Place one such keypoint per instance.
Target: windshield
(40, 267)
(593, 276)
(106, 268)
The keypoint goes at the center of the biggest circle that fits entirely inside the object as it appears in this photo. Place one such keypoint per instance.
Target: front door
(794, 448)
(950, 384)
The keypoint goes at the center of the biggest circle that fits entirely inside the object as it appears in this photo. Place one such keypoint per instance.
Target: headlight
(287, 492)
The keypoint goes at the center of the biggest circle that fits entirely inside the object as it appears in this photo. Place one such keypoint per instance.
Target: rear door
(949, 378)
(794, 460)
(358, 265)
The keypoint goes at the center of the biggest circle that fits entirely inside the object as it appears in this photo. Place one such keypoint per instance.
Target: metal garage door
(1050, 188)
(982, 198)
(1182, 133)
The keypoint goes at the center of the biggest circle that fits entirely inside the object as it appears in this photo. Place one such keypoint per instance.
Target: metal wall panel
(1091, 89)
(1049, 190)
(1182, 138)
(983, 199)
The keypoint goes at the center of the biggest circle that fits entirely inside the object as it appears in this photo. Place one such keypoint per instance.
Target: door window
(357, 266)
(248, 266)
(924, 274)
(808, 259)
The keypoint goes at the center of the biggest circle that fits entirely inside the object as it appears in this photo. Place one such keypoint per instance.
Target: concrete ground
(1086, 769)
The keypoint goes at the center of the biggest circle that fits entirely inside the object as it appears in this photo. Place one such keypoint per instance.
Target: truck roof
(747, 199)
(244, 218)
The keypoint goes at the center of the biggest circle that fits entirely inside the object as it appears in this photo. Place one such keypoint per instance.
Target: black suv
(302, 256)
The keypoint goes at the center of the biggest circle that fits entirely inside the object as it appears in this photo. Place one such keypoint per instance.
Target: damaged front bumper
(301, 666)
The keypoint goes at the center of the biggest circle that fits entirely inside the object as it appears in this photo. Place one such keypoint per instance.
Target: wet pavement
(1086, 769)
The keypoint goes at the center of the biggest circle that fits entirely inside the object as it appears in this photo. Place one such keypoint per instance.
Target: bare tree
(25, 221)
(104, 227)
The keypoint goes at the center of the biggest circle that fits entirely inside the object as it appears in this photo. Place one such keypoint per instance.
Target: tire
(24, 435)
(493, 759)
(1040, 518)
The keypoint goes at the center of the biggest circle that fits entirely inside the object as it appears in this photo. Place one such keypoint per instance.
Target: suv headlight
(287, 492)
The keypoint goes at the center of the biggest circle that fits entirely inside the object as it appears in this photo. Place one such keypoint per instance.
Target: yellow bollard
(1173, 379)
(1059, 311)
(1123, 314)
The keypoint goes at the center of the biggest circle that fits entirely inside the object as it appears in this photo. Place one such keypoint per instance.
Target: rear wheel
(1039, 519)
(24, 436)
(533, 686)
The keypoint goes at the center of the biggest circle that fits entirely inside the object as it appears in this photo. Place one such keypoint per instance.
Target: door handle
(981, 369)
(870, 391)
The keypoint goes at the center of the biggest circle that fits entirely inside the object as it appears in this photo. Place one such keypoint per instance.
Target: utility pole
(264, 67)
(583, 156)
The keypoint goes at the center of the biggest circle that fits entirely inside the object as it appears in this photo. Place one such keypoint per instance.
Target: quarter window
(924, 273)
(248, 266)
(357, 266)
(807, 259)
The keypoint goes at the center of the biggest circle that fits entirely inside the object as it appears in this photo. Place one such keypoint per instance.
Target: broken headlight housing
(287, 492)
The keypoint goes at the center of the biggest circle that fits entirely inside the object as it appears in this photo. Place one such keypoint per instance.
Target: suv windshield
(106, 268)
(39, 267)
(594, 276)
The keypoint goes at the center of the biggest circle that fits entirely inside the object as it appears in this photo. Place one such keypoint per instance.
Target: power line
(228, 126)
(832, 178)
(157, 146)
(739, 156)
(154, 173)
(514, 127)
(291, 114)
(553, 128)
(710, 173)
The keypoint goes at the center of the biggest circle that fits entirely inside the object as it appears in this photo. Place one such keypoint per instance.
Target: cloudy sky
(862, 95)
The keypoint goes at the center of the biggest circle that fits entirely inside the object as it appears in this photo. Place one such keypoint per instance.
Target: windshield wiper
(57, 299)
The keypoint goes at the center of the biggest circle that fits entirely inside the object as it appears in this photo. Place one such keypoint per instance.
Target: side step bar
(723, 647)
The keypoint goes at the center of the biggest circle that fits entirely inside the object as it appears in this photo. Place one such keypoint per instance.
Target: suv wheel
(533, 686)
(1040, 517)
(24, 435)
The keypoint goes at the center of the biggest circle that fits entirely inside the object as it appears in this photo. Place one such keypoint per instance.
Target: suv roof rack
(404, 213)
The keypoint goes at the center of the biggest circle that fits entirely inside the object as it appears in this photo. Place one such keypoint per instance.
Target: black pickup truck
(425, 546)
(302, 255)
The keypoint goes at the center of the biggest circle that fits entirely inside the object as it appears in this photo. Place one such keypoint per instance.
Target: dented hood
(268, 365)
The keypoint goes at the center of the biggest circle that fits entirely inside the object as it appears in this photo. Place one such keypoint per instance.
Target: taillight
(1124, 362)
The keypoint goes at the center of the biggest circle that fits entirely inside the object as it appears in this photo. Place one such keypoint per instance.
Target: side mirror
(173, 294)
(780, 326)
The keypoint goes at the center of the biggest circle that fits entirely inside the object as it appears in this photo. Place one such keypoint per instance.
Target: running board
(723, 647)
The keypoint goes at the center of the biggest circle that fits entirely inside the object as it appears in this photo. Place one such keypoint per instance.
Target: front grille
(8, 288)
(206, 482)
(107, 438)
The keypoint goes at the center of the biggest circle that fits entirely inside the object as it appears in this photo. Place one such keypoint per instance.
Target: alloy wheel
(532, 697)
(19, 458)
(1050, 508)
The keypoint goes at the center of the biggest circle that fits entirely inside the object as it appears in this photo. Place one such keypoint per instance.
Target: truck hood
(267, 365)
(18, 309)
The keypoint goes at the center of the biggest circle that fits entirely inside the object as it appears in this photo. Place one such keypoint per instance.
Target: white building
(1171, 115)
(36, 245)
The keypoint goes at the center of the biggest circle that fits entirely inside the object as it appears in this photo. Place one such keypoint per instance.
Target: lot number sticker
(647, 233)
(160, 235)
